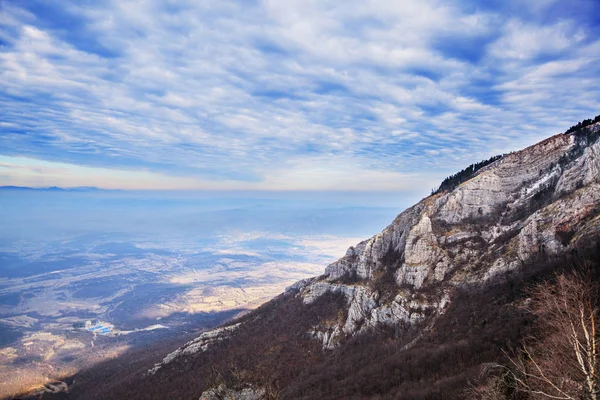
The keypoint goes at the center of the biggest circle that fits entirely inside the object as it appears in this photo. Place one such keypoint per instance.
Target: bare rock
(197, 345)
(530, 204)
(224, 393)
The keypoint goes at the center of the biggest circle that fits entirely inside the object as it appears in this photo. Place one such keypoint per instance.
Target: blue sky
(285, 95)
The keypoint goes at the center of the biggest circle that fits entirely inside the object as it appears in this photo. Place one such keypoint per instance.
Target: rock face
(537, 203)
(200, 344)
(526, 207)
(223, 393)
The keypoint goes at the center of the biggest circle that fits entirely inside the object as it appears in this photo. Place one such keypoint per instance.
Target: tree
(563, 362)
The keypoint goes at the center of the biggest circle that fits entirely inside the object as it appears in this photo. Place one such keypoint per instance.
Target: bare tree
(563, 362)
(496, 383)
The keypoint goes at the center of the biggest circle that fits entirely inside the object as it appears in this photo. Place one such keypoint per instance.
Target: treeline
(583, 138)
(583, 124)
(453, 181)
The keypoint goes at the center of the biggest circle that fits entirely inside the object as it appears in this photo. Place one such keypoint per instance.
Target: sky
(369, 95)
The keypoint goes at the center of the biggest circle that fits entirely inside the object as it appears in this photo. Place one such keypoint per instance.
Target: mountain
(410, 313)
(17, 188)
(51, 189)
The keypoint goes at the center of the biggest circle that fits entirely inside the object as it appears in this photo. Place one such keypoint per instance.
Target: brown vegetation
(273, 350)
(562, 362)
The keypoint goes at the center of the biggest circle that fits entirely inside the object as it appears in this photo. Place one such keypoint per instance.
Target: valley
(81, 299)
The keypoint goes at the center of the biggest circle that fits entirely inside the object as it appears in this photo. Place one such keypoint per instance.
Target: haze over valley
(142, 267)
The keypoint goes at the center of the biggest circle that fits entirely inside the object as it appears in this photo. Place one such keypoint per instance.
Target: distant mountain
(52, 189)
(21, 188)
(414, 311)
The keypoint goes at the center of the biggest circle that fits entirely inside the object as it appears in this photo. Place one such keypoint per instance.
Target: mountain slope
(413, 311)
(540, 202)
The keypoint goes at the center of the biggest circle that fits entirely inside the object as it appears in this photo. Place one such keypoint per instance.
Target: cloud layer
(372, 95)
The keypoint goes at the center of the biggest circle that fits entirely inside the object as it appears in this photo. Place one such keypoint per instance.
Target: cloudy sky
(285, 94)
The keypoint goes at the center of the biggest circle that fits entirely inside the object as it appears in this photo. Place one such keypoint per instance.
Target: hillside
(409, 313)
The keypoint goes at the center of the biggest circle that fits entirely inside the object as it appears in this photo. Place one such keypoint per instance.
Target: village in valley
(95, 326)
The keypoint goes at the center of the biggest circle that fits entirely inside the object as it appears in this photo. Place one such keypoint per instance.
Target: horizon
(296, 96)
(413, 194)
(315, 199)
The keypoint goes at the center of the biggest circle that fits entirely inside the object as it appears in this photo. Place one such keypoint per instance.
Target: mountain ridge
(435, 282)
(54, 188)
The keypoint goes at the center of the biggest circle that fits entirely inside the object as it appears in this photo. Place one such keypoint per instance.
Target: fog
(59, 216)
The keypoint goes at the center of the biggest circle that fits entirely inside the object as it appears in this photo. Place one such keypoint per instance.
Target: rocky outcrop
(539, 202)
(365, 310)
(199, 344)
(224, 393)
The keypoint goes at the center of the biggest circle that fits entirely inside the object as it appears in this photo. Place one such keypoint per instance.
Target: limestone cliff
(505, 220)
(542, 201)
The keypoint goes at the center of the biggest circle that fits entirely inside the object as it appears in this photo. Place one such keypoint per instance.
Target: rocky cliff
(542, 201)
(413, 311)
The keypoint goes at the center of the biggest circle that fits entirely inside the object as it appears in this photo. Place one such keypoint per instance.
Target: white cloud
(525, 41)
(293, 93)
